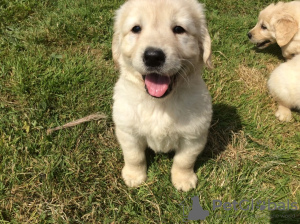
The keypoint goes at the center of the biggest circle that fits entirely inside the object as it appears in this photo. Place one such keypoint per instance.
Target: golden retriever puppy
(160, 99)
(284, 86)
(278, 23)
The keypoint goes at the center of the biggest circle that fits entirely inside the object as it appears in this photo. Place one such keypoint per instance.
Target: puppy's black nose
(249, 35)
(154, 57)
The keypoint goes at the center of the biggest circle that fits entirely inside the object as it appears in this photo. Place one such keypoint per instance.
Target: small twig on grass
(94, 117)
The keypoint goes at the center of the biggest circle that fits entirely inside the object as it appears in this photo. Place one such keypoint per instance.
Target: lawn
(56, 66)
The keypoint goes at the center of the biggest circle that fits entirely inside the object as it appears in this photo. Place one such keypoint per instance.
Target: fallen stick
(94, 117)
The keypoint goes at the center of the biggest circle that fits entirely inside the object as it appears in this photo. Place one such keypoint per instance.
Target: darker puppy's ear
(203, 37)
(285, 29)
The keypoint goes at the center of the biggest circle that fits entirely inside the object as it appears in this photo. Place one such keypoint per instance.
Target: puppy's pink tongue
(156, 84)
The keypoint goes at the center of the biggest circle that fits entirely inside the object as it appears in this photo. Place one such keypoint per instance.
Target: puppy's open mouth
(158, 85)
(263, 44)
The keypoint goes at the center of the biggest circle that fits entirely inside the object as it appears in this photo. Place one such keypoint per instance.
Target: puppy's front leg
(134, 171)
(183, 175)
(283, 113)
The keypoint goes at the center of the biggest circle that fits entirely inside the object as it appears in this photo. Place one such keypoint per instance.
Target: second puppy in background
(284, 86)
(278, 24)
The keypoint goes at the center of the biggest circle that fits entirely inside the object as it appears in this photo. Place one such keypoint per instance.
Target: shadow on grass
(5, 216)
(273, 50)
(287, 216)
(225, 123)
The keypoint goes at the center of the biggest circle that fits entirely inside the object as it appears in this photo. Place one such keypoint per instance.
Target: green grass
(56, 66)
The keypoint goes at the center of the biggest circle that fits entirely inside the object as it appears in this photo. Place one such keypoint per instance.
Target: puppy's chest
(161, 134)
(161, 131)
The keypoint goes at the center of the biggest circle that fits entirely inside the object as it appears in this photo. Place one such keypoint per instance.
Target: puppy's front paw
(184, 180)
(133, 177)
(283, 114)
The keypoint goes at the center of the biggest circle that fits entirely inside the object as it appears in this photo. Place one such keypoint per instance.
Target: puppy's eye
(263, 27)
(178, 30)
(136, 29)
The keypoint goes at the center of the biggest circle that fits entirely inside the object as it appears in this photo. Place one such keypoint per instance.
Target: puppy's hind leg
(283, 113)
(134, 171)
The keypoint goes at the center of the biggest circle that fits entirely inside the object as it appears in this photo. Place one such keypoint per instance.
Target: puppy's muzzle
(157, 84)
(154, 57)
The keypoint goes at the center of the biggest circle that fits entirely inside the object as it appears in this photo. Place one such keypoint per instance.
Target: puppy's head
(157, 42)
(275, 24)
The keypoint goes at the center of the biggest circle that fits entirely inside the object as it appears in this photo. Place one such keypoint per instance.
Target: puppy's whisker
(184, 74)
(189, 62)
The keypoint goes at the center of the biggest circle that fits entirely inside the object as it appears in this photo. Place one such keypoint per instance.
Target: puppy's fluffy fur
(284, 86)
(278, 23)
(160, 99)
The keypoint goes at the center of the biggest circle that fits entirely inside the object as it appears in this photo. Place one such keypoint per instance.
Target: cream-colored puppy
(284, 86)
(278, 23)
(160, 99)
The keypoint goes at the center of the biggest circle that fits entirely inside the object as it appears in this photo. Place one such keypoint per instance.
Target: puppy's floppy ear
(116, 41)
(116, 47)
(285, 29)
(203, 37)
(205, 47)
